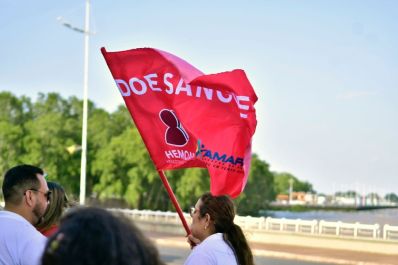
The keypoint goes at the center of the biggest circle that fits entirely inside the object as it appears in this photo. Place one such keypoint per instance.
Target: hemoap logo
(175, 134)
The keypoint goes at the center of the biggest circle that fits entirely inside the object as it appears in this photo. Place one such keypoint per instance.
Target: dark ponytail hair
(222, 212)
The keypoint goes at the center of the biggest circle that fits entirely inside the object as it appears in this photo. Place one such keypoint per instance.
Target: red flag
(188, 119)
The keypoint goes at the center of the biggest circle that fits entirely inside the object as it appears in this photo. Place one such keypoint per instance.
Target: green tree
(303, 186)
(282, 183)
(13, 114)
(392, 197)
(51, 130)
(124, 168)
(191, 185)
(259, 190)
(118, 164)
(349, 194)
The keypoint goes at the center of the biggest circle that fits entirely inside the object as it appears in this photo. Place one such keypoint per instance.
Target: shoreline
(326, 208)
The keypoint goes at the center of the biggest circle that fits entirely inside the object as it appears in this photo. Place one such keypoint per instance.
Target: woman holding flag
(218, 240)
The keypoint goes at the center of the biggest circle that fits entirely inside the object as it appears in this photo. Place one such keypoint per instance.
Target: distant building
(338, 199)
(320, 199)
(298, 198)
(343, 200)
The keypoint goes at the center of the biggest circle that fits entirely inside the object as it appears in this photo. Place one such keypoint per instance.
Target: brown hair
(58, 203)
(222, 211)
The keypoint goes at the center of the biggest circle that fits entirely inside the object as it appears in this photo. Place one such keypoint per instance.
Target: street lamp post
(290, 190)
(83, 164)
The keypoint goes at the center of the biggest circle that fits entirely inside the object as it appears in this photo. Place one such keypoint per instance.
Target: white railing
(321, 227)
(349, 229)
(390, 232)
(151, 215)
(275, 224)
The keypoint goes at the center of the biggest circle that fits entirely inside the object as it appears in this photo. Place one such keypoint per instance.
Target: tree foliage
(118, 164)
(282, 183)
(259, 191)
(392, 197)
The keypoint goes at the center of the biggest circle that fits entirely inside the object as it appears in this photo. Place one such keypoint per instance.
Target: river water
(381, 216)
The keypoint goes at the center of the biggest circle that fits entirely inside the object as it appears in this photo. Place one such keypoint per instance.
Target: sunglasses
(192, 210)
(46, 194)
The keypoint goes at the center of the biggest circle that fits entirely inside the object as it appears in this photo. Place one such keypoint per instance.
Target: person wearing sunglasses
(215, 238)
(26, 197)
(59, 203)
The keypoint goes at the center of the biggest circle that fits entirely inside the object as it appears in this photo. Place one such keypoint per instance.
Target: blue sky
(325, 72)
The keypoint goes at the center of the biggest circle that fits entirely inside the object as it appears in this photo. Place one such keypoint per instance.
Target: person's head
(215, 214)
(95, 236)
(59, 202)
(25, 192)
(212, 214)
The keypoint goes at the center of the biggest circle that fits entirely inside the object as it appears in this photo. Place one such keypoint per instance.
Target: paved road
(177, 256)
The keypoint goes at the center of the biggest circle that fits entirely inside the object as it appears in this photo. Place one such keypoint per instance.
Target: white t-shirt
(20, 242)
(212, 251)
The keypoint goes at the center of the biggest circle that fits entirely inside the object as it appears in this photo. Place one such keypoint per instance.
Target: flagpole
(174, 200)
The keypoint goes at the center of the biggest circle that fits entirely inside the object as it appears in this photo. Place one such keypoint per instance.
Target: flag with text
(186, 118)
